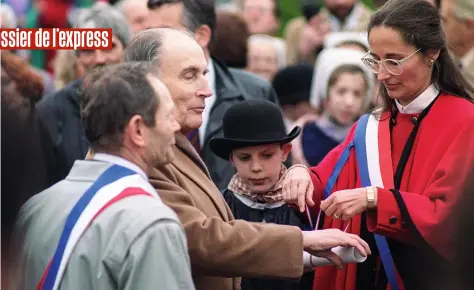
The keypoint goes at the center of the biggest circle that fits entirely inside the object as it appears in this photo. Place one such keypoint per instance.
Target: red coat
(441, 159)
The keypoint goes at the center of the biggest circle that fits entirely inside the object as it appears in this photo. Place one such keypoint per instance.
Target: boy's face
(259, 166)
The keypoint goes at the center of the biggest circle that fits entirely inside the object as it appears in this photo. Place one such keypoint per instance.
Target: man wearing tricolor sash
(104, 226)
(397, 178)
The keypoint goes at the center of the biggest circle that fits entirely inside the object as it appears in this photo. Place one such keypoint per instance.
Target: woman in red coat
(398, 175)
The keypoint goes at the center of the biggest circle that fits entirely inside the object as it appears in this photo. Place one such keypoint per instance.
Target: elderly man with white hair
(59, 112)
(458, 24)
(266, 55)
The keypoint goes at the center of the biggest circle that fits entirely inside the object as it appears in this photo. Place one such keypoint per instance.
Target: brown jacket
(222, 248)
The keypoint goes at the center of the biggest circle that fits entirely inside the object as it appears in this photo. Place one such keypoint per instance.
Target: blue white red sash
(114, 184)
(374, 160)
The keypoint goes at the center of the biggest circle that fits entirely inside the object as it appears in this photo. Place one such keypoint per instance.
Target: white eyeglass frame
(381, 63)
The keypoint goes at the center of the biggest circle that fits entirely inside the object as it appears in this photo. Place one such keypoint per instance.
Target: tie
(193, 137)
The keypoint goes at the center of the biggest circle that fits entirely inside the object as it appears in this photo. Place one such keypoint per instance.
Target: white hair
(277, 43)
(11, 20)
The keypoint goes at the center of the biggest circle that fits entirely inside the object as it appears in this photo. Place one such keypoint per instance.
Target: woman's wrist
(371, 194)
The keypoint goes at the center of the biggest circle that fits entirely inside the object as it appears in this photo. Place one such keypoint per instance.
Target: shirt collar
(420, 103)
(350, 22)
(211, 75)
(467, 59)
(114, 159)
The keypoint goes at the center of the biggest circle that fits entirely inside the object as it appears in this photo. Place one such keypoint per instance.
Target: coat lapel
(190, 164)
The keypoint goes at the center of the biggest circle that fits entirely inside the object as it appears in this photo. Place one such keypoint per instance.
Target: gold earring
(430, 63)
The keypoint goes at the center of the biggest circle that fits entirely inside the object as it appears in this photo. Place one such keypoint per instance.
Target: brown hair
(346, 68)
(111, 96)
(419, 24)
(230, 40)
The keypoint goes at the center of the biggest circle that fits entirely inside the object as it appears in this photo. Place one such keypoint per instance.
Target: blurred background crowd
(309, 51)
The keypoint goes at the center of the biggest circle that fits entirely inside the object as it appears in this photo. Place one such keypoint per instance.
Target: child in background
(256, 142)
(342, 92)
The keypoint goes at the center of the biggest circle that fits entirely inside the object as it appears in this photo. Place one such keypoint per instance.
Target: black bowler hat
(251, 123)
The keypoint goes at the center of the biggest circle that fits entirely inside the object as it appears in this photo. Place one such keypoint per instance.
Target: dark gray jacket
(59, 114)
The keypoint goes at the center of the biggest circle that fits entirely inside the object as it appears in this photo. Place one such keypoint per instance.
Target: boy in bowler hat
(256, 142)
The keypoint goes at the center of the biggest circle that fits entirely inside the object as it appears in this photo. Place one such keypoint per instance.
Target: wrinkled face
(454, 28)
(183, 69)
(346, 98)
(167, 15)
(161, 140)
(259, 16)
(262, 59)
(90, 59)
(259, 166)
(387, 43)
(137, 15)
(340, 8)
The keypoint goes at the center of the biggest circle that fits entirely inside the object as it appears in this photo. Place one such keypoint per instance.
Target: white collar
(420, 103)
(114, 159)
(467, 59)
(211, 75)
(350, 23)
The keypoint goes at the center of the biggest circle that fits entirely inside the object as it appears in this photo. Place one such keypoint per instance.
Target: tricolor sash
(114, 184)
(374, 162)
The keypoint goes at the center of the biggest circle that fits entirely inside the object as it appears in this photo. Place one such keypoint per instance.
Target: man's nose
(205, 92)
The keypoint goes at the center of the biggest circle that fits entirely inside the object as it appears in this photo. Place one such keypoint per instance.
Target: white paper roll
(349, 255)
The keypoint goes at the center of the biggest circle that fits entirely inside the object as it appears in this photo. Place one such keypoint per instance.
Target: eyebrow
(388, 56)
(193, 69)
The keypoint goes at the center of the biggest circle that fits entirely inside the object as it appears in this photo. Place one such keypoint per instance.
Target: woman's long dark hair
(419, 24)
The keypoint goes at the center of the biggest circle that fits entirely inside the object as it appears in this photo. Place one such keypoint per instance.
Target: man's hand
(298, 187)
(319, 243)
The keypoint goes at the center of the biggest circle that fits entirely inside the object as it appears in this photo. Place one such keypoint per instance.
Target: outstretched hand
(319, 243)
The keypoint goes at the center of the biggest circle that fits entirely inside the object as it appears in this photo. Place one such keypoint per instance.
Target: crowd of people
(204, 151)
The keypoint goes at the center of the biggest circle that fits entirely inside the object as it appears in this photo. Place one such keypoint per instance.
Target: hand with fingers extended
(298, 187)
(319, 243)
(345, 204)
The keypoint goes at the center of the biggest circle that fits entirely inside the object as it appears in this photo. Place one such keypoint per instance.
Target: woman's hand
(345, 204)
(298, 187)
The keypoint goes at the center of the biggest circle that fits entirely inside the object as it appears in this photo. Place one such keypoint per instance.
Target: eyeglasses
(393, 66)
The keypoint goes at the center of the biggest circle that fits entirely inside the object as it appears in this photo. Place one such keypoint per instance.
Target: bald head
(149, 44)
